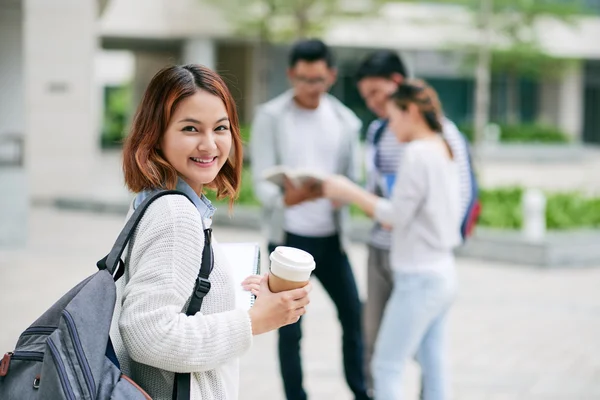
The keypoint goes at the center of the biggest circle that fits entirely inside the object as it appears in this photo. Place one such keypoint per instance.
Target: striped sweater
(385, 159)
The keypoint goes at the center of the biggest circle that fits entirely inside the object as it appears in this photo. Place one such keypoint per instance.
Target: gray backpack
(67, 353)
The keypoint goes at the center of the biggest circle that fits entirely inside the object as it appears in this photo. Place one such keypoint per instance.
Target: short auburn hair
(143, 163)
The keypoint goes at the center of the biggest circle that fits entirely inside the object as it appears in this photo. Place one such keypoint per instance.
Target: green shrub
(524, 133)
(532, 133)
(246, 196)
(572, 210)
(501, 208)
(245, 133)
(117, 101)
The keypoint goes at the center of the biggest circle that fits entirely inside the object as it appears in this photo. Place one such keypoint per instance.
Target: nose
(373, 105)
(208, 141)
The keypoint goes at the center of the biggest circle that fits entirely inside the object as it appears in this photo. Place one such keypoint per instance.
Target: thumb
(264, 283)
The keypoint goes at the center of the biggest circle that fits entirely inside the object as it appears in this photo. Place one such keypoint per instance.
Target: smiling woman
(178, 339)
(197, 142)
(197, 121)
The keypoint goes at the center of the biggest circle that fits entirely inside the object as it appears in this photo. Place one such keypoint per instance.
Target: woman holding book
(424, 215)
(186, 136)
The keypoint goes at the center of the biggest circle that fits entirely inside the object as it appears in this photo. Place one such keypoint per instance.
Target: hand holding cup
(273, 310)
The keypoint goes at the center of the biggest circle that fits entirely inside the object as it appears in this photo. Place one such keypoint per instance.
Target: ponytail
(425, 97)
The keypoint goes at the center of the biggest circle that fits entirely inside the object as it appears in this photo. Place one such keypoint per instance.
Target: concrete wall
(571, 98)
(562, 101)
(61, 103)
(200, 51)
(13, 179)
(234, 64)
(12, 98)
(147, 64)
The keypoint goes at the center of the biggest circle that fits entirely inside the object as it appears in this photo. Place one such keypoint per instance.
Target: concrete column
(200, 51)
(12, 92)
(146, 65)
(14, 199)
(570, 101)
(235, 66)
(548, 106)
(62, 125)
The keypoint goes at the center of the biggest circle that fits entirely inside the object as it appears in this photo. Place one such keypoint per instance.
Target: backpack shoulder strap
(379, 132)
(202, 283)
(181, 384)
(112, 262)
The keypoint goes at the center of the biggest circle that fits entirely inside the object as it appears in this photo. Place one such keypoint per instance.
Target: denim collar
(203, 205)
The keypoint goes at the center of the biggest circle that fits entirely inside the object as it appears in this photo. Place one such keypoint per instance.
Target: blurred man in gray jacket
(306, 128)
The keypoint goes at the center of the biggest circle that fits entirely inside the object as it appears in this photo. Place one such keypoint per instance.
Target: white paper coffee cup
(291, 265)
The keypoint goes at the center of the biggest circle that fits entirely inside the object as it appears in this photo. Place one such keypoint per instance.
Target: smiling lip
(204, 162)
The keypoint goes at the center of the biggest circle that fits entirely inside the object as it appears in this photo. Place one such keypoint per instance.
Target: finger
(252, 288)
(253, 279)
(297, 314)
(300, 311)
(295, 317)
(264, 283)
(300, 293)
(301, 302)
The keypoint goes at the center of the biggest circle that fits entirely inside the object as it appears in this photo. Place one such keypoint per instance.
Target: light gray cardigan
(269, 147)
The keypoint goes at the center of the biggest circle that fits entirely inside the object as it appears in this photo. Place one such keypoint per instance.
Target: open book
(296, 176)
(244, 260)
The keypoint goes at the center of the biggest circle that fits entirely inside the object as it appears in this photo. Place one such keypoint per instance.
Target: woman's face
(197, 141)
(401, 122)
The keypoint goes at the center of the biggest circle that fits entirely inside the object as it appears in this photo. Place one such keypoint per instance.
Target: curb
(246, 217)
(571, 249)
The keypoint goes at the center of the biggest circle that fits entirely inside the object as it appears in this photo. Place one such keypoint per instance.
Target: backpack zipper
(27, 355)
(62, 372)
(87, 372)
(39, 330)
(21, 356)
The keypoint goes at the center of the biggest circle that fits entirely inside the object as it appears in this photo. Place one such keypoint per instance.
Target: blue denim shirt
(203, 205)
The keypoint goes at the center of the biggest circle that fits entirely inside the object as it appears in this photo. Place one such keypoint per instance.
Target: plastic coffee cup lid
(293, 258)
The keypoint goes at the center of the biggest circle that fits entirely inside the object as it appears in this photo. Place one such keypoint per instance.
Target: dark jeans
(335, 274)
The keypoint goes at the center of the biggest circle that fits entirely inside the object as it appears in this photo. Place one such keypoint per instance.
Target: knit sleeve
(163, 267)
(408, 193)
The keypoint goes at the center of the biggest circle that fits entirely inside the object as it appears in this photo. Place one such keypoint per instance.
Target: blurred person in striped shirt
(378, 77)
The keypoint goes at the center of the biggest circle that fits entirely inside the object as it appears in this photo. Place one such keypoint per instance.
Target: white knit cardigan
(152, 336)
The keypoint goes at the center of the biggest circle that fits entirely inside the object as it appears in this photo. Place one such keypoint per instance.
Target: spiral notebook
(244, 259)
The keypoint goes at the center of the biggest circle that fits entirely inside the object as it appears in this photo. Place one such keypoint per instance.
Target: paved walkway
(516, 333)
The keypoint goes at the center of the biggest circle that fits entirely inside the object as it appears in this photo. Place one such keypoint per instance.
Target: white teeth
(202, 160)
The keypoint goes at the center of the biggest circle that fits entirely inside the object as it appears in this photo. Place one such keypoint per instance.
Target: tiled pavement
(516, 332)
